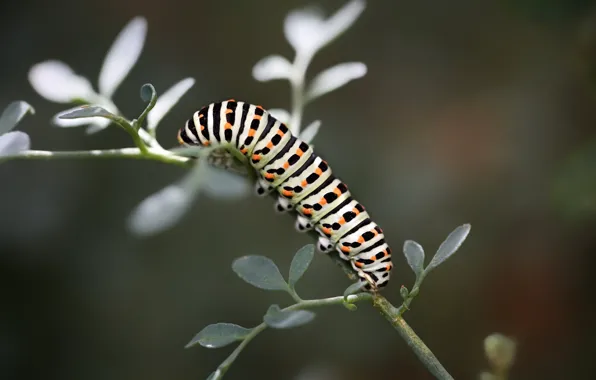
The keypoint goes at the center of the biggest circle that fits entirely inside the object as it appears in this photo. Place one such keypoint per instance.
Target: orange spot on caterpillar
(243, 150)
(337, 191)
(307, 211)
(360, 239)
(229, 111)
(180, 141)
(207, 143)
(359, 264)
(326, 230)
(287, 193)
(251, 132)
(270, 144)
(231, 100)
(286, 165)
(342, 220)
(280, 132)
(345, 249)
(256, 157)
(257, 117)
(388, 267)
(269, 175)
(202, 127)
(228, 126)
(303, 183)
(260, 107)
(299, 152)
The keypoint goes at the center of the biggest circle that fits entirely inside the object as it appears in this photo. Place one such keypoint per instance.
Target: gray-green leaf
(354, 288)
(13, 143)
(87, 111)
(300, 263)
(219, 335)
(12, 114)
(414, 255)
(259, 271)
(449, 246)
(279, 319)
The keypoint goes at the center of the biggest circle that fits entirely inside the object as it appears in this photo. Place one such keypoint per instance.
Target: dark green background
(471, 112)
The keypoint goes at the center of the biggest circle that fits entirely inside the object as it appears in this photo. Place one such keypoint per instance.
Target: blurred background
(471, 111)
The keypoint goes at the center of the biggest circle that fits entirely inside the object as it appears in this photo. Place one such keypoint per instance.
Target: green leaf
(414, 255)
(219, 335)
(354, 288)
(403, 291)
(148, 93)
(300, 263)
(449, 246)
(259, 271)
(279, 319)
(13, 114)
(87, 111)
(216, 375)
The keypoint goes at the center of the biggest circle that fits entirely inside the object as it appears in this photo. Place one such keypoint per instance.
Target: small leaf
(222, 184)
(334, 78)
(280, 114)
(13, 143)
(354, 288)
(57, 82)
(148, 92)
(272, 67)
(279, 319)
(403, 292)
(166, 207)
(414, 255)
(300, 263)
(303, 29)
(167, 100)
(85, 112)
(219, 335)
(449, 246)
(342, 20)
(98, 122)
(13, 114)
(149, 96)
(259, 271)
(309, 133)
(307, 30)
(122, 56)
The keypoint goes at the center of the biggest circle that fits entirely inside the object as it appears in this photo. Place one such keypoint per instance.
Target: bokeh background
(471, 111)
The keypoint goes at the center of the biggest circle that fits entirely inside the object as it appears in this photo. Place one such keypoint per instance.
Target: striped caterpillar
(302, 179)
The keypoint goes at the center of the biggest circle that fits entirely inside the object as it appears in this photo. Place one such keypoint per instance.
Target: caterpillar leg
(302, 224)
(324, 244)
(283, 204)
(262, 187)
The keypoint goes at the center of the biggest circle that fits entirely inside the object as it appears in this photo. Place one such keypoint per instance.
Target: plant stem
(132, 153)
(424, 354)
(394, 316)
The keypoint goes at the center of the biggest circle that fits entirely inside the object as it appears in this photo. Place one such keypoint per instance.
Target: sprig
(263, 273)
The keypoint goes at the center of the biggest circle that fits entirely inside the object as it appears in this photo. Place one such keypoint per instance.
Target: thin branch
(394, 316)
(131, 153)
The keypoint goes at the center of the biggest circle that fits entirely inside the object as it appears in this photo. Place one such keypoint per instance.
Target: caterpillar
(303, 180)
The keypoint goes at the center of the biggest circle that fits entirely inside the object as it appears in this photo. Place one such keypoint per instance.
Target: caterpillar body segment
(304, 182)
